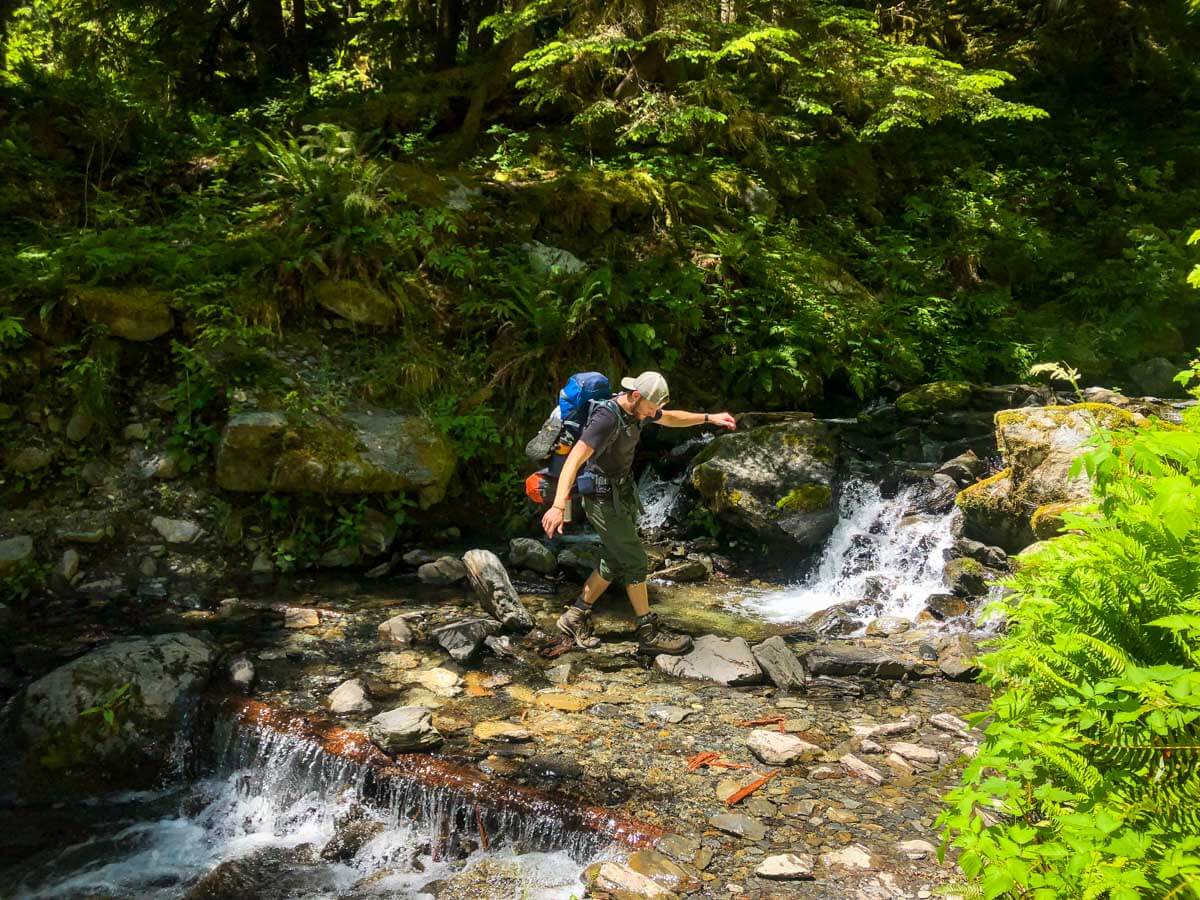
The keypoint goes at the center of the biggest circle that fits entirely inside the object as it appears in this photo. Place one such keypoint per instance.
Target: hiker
(615, 425)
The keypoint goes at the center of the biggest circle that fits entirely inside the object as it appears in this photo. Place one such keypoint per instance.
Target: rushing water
(876, 549)
(274, 802)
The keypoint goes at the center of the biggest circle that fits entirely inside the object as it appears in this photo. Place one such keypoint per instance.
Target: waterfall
(876, 550)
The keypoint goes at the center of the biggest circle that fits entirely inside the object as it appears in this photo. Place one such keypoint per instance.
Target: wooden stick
(749, 789)
(483, 839)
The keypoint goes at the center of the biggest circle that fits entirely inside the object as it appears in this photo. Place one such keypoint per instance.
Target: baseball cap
(651, 385)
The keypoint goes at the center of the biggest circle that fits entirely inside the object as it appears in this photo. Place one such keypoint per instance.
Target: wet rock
(404, 729)
(907, 725)
(935, 498)
(419, 557)
(725, 661)
(438, 681)
(507, 732)
(964, 468)
(786, 867)
(298, 617)
(356, 301)
(348, 697)
(661, 869)
(869, 746)
(176, 531)
(992, 557)
(15, 554)
(849, 659)
(147, 683)
(915, 753)
(527, 553)
(860, 769)
(839, 619)
(685, 571)
(495, 592)
(270, 871)
(856, 856)
(958, 658)
(678, 847)
(376, 533)
(351, 833)
(946, 606)
(339, 558)
(622, 881)
(353, 453)
(966, 577)
(1156, 378)
(672, 715)
(553, 767)
(739, 825)
(464, 639)
(396, 631)
(887, 626)
(446, 570)
(951, 723)
(776, 480)
(487, 878)
(241, 673)
(67, 567)
(777, 749)
(825, 686)
(131, 313)
(780, 664)
(581, 559)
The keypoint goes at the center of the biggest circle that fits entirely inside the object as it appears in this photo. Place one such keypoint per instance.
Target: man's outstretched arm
(677, 418)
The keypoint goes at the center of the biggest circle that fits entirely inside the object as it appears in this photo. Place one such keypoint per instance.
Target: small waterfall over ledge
(878, 551)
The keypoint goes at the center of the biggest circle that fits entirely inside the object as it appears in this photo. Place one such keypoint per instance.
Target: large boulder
(356, 301)
(354, 453)
(935, 397)
(1039, 445)
(776, 480)
(132, 313)
(109, 719)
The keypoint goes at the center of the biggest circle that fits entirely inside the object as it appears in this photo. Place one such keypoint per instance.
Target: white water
(658, 499)
(275, 793)
(868, 543)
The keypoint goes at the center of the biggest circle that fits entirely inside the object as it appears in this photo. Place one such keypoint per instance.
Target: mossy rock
(806, 498)
(1047, 519)
(935, 397)
(357, 302)
(989, 515)
(131, 313)
(355, 453)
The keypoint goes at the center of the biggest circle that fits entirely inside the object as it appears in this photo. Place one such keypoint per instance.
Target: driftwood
(409, 777)
(495, 590)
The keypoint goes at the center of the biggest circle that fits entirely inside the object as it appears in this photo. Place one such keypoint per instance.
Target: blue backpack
(575, 401)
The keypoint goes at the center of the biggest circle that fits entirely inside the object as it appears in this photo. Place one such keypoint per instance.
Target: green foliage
(196, 399)
(110, 706)
(29, 579)
(1088, 782)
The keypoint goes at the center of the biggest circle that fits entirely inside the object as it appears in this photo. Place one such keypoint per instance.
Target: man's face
(643, 408)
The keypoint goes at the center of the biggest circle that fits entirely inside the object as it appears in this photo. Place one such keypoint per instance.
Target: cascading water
(877, 550)
(274, 801)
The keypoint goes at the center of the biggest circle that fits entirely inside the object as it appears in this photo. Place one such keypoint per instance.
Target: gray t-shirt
(616, 460)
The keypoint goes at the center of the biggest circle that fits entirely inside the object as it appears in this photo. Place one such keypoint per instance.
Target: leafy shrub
(1088, 781)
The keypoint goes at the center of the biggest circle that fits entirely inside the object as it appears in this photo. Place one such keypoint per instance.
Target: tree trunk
(300, 39)
(268, 40)
(479, 41)
(647, 67)
(449, 29)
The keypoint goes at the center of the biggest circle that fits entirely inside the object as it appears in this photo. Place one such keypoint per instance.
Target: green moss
(806, 498)
(1106, 415)
(976, 493)
(937, 396)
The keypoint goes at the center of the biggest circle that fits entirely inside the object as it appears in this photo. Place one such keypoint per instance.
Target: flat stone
(176, 531)
(446, 570)
(301, 617)
(916, 753)
(396, 631)
(848, 659)
(887, 626)
(662, 870)
(777, 749)
(404, 729)
(958, 658)
(860, 769)
(69, 565)
(348, 697)
(916, 849)
(739, 825)
(355, 301)
(131, 313)
(856, 856)
(464, 639)
(622, 881)
(678, 847)
(726, 788)
(672, 715)
(262, 564)
(951, 723)
(786, 867)
(724, 661)
(507, 732)
(781, 665)
(15, 554)
(561, 701)
(906, 725)
(687, 570)
(419, 557)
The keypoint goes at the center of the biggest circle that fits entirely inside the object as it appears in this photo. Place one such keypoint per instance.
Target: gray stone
(966, 577)
(1156, 378)
(964, 468)
(148, 567)
(915, 753)
(396, 631)
(76, 752)
(856, 856)
(527, 553)
(176, 531)
(464, 639)
(725, 661)
(848, 659)
(28, 459)
(419, 557)
(69, 565)
(917, 849)
(946, 606)
(348, 697)
(887, 626)
(79, 426)
(860, 769)
(776, 480)
(544, 259)
(739, 825)
(581, 559)
(376, 533)
(958, 658)
(617, 880)
(15, 554)
(672, 715)
(162, 467)
(404, 729)
(678, 847)
(353, 453)
(93, 473)
(935, 497)
(786, 867)
(781, 665)
(840, 619)
(444, 571)
(686, 570)
(776, 749)
(339, 557)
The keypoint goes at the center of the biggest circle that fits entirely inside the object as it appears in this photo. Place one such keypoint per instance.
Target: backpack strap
(611, 405)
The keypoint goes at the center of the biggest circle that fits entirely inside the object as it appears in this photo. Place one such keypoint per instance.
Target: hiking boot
(576, 623)
(654, 639)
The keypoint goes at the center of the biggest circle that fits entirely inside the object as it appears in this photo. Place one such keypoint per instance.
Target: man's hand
(724, 419)
(552, 522)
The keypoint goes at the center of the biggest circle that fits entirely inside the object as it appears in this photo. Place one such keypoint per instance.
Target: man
(615, 428)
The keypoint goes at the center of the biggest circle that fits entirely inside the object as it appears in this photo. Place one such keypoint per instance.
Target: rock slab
(727, 661)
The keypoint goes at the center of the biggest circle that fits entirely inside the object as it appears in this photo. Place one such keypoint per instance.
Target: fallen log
(399, 780)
